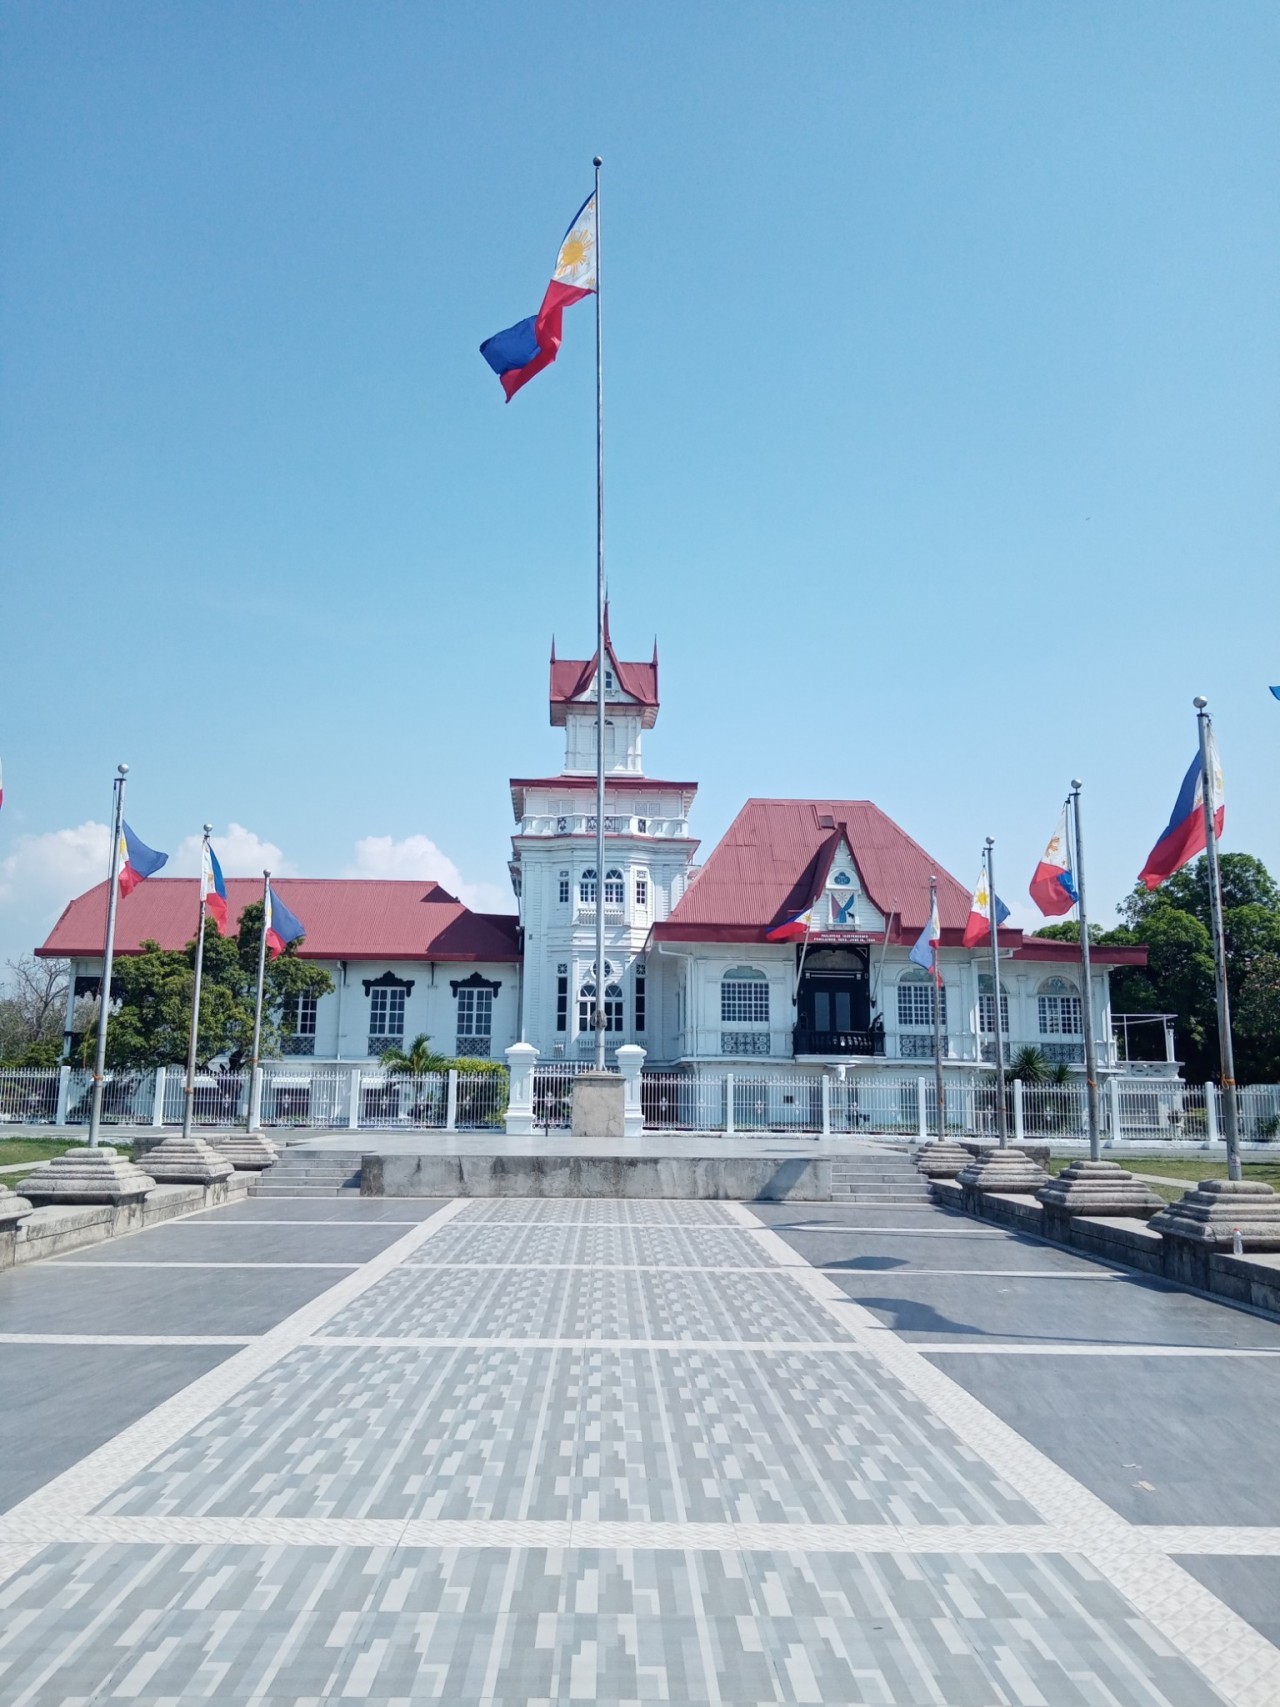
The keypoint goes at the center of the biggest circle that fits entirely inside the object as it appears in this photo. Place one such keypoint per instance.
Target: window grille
(386, 1013)
(587, 887)
(744, 997)
(915, 1000)
(475, 1013)
(1059, 1009)
(300, 1014)
(615, 888)
(564, 888)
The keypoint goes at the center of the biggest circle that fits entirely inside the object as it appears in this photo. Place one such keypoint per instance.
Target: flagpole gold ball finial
(597, 161)
(1076, 784)
(123, 769)
(1199, 702)
(208, 829)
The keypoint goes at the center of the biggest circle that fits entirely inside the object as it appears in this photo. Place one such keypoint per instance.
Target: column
(521, 1059)
(630, 1060)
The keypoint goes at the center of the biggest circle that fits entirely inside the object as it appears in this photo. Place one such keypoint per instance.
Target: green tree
(419, 1058)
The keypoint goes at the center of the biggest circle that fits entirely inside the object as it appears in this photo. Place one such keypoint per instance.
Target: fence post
(64, 1093)
(1212, 1130)
(1019, 1113)
(728, 1104)
(630, 1064)
(451, 1102)
(826, 1106)
(353, 1104)
(520, 1063)
(922, 1109)
(157, 1097)
(1113, 1097)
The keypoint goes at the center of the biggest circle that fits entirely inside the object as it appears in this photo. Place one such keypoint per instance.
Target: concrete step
(291, 1189)
(854, 1196)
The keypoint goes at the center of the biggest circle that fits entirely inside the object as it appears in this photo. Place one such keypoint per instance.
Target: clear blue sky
(942, 379)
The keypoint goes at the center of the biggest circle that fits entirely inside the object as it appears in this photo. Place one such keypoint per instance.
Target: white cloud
(41, 875)
(241, 853)
(419, 857)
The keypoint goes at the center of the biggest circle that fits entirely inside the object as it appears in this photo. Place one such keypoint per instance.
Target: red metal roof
(346, 918)
(571, 677)
(774, 858)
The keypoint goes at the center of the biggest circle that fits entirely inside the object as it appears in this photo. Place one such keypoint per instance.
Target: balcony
(584, 824)
(870, 1042)
(585, 914)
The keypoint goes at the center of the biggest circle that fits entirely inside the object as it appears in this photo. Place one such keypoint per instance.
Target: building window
(639, 996)
(612, 1002)
(615, 888)
(1059, 1009)
(562, 1001)
(475, 1020)
(386, 1013)
(642, 891)
(587, 887)
(564, 888)
(987, 1004)
(915, 999)
(744, 997)
(300, 1015)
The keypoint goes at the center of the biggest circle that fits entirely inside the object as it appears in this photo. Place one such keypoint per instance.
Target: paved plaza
(516, 1451)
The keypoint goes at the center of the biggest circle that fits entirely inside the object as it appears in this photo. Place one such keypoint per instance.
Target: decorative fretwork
(917, 1048)
(297, 1045)
(1062, 1054)
(744, 1042)
(471, 1048)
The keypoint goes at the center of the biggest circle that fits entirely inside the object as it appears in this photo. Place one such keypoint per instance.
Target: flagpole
(600, 606)
(1226, 1050)
(255, 1069)
(1090, 1047)
(938, 1087)
(1002, 1114)
(189, 1086)
(108, 949)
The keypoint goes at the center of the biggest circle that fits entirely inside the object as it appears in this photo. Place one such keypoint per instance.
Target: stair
(881, 1177)
(310, 1173)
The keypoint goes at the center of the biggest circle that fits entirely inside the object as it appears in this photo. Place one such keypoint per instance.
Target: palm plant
(418, 1059)
(1030, 1065)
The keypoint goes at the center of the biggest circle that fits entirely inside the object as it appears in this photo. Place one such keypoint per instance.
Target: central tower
(554, 868)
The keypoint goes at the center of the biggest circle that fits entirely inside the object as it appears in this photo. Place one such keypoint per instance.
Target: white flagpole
(1226, 1049)
(1002, 1114)
(189, 1087)
(1090, 1048)
(108, 949)
(255, 1067)
(939, 1088)
(600, 654)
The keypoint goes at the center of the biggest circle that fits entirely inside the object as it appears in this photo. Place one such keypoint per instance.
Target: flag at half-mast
(137, 861)
(213, 890)
(1184, 836)
(527, 347)
(978, 928)
(1053, 888)
(925, 952)
(281, 926)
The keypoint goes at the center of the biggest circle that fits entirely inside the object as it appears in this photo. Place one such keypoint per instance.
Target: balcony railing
(584, 824)
(585, 913)
(744, 1042)
(870, 1042)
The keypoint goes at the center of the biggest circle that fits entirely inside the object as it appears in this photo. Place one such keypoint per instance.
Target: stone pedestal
(13, 1209)
(630, 1066)
(1098, 1189)
(83, 1175)
(521, 1060)
(247, 1150)
(1006, 1170)
(187, 1161)
(1204, 1221)
(598, 1106)
(942, 1159)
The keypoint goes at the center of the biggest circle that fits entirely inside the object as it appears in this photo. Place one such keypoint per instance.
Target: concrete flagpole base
(13, 1209)
(599, 1105)
(942, 1159)
(100, 1175)
(1002, 1170)
(188, 1161)
(247, 1150)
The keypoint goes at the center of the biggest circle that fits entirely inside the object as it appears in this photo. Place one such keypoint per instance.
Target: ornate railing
(298, 1045)
(379, 1044)
(472, 1048)
(869, 1042)
(744, 1042)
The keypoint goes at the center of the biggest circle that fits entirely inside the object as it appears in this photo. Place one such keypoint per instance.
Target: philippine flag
(137, 861)
(978, 929)
(282, 926)
(526, 348)
(213, 891)
(1053, 888)
(794, 929)
(1183, 836)
(925, 951)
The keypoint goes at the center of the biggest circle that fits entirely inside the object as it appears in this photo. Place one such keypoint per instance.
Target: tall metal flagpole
(1090, 1047)
(255, 1066)
(1002, 1113)
(108, 948)
(939, 1090)
(1226, 1050)
(600, 604)
(189, 1087)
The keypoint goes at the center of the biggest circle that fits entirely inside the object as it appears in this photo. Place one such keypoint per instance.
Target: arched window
(915, 999)
(1059, 1008)
(744, 996)
(612, 1001)
(587, 887)
(615, 888)
(987, 1004)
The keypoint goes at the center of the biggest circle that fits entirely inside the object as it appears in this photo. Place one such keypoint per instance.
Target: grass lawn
(14, 1150)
